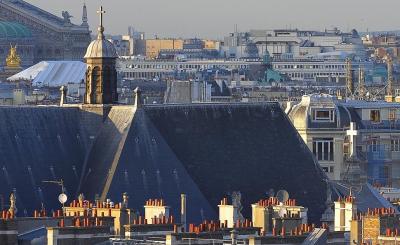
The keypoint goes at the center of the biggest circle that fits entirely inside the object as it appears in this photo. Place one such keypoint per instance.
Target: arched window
(107, 80)
(96, 84)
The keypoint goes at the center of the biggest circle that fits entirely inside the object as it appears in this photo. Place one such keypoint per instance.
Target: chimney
(183, 211)
(63, 99)
(155, 209)
(138, 98)
(345, 209)
(228, 213)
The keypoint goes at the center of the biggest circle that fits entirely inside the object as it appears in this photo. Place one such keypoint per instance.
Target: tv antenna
(62, 198)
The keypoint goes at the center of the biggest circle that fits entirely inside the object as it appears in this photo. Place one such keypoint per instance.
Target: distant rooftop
(52, 73)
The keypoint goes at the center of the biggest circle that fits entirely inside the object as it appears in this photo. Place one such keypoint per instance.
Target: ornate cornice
(12, 13)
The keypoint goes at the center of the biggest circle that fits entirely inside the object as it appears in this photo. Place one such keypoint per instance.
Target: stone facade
(54, 38)
(368, 149)
(101, 85)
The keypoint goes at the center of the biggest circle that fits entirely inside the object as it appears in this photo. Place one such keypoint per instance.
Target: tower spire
(101, 73)
(84, 15)
(101, 27)
(389, 88)
(349, 79)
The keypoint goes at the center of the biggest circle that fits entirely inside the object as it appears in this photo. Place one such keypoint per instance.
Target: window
(323, 149)
(323, 115)
(395, 145)
(346, 149)
(373, 145)
(375, 116)
(331, 169)
(392, 114)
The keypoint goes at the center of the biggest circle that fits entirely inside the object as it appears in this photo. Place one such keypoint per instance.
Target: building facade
(133, 69)
(298, 43)
(42, 35)
(319, 70)
(154, 46)
(348, 136)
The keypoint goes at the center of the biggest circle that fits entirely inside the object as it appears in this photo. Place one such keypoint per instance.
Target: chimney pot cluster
(155, 202)
(273, 201)
(347, 199)
(297, 231)
(39, 214)
(97, 204)
(83, 222)
(163, 220)
(7, 215)
(380, 212)
(391, 232)
(213, 226)
(224, 201)
(245, 224)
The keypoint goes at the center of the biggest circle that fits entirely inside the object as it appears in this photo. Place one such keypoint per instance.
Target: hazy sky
(215, 18)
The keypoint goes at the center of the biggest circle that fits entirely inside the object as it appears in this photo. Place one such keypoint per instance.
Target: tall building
(154, 46)
(41, 35)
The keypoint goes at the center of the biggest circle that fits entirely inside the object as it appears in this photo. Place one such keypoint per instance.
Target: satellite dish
(62, 198)
(282, 196)
(282, 212)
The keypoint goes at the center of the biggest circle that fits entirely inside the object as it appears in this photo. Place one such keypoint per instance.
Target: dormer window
(323, 115)
(375, 116)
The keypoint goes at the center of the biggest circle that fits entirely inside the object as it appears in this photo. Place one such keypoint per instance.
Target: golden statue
(13, 206)
(13, 60)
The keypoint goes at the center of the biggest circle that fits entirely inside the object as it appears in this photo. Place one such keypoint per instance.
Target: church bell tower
(101, 74)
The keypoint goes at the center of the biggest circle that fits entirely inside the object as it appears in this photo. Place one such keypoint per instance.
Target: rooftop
(13, 30)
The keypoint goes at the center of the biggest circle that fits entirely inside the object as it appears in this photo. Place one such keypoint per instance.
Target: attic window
(375, 116)
(323, 115)
(392, 114)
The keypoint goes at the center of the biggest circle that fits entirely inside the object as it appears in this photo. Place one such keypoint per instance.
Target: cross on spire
(100, 12)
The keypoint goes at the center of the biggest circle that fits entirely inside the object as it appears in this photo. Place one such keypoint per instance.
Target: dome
(9, 30)
(101, 48)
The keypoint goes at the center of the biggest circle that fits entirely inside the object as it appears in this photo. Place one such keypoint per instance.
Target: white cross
(352, 133)
(101, 12)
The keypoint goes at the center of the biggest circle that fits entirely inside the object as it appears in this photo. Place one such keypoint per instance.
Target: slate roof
(204, 150)
(367, 197)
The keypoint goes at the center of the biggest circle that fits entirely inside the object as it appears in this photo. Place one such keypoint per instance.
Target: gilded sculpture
(13, 60)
